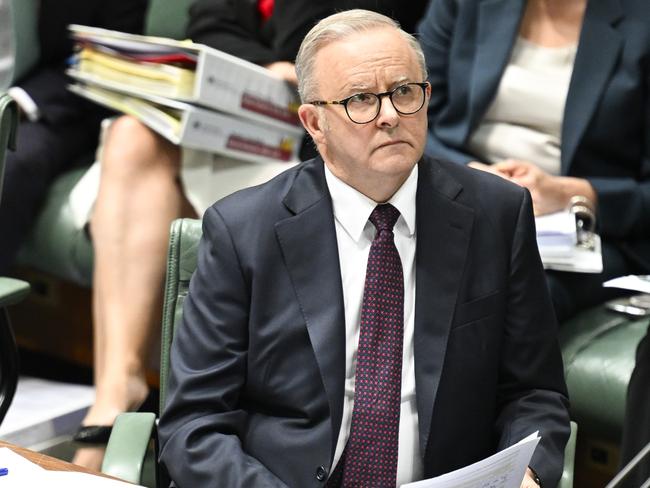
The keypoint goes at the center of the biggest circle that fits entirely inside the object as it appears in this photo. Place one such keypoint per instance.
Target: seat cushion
(56, 245)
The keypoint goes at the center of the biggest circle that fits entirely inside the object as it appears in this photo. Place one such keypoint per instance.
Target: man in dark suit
(298, 365)
(58, 127)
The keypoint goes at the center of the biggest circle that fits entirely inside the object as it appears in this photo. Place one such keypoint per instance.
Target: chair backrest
(24, 14)
(167, 18)
(11, 290)
(181, 262)
(8, 125)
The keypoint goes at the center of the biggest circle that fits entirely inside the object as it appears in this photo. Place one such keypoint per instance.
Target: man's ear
(311, 120)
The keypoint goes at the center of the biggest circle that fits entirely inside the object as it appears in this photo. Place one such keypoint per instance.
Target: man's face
(384, 151)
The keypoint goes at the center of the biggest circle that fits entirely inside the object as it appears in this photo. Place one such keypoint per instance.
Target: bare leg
(139, 196)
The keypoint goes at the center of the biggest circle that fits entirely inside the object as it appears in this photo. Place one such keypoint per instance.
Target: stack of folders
(564, 245)
(191, 94)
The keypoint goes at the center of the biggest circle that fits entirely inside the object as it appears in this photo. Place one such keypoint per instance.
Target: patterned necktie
(370, 456)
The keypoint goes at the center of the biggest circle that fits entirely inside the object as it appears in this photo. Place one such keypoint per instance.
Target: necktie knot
(384, 216)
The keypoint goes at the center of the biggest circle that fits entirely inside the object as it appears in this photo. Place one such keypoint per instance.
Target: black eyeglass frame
(423, 85)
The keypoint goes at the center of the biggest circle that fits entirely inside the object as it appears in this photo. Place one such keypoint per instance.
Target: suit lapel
(498, 24)
(599, 49)
(443, 235)
(309, 246)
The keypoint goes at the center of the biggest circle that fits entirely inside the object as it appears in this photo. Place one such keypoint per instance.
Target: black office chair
(11, 291)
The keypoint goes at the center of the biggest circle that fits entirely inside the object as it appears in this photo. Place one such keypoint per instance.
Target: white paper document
(556, 229)
(23, 473)
(562, 247)
(505, 469)
(639, 283)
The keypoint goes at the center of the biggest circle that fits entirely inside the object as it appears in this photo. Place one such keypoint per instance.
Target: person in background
(144, 186)
(57, 128)
(296, 364)
(555, 96)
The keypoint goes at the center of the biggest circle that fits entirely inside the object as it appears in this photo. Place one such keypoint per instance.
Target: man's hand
(284, 70)
(529, 480)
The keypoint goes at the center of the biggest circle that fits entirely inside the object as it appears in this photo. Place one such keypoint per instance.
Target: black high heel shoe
(99, 434)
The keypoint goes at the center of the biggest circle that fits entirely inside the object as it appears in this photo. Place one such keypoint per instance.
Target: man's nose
(388, 116)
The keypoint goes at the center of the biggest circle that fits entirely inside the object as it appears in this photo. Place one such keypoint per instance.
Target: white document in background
(505, 469)
(639, 283)
(578, 259)
(563, 248)
(558, 228)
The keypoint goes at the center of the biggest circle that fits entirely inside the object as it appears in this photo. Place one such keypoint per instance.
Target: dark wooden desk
(48, 462)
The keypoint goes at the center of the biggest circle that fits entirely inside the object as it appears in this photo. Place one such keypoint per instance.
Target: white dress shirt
(354, 235)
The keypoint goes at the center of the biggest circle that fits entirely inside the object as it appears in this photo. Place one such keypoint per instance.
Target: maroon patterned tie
(370, 456)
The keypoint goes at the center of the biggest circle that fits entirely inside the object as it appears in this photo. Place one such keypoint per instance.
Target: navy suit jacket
(257, 371)
(606, 125)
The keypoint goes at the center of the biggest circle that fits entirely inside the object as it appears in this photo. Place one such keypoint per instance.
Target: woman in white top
(555, 96)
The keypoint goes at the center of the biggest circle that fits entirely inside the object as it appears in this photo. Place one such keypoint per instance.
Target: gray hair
(337, 27)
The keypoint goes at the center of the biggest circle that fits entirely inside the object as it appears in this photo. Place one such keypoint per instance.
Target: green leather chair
(11, 290)
(128, 446)
(598, 348)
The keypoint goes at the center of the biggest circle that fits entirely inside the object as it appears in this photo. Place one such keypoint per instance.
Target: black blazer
(234, 26)
(257, 370)
(606, 127)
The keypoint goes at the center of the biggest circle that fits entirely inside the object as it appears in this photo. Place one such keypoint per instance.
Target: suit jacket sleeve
(200, 424)
(436, 30)
(531, 387)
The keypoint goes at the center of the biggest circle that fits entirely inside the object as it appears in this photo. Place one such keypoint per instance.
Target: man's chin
(395, 164)
(396, 155)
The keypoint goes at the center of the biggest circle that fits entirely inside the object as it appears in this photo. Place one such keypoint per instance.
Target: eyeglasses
(363, 108)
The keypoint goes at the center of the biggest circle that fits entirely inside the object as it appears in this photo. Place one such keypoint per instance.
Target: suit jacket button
(321, 473)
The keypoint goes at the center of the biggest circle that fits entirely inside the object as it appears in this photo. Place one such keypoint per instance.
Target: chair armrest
(12, 291)
(127, 446)
(566, 481)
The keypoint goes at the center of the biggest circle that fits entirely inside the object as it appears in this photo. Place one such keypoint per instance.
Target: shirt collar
(352, 208)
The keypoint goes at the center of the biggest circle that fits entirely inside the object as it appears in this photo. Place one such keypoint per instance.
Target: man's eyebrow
(360, 87)
(401, 81)
(356, 87)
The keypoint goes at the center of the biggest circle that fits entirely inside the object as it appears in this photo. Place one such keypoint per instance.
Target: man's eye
(404, 90)
(366, 98)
